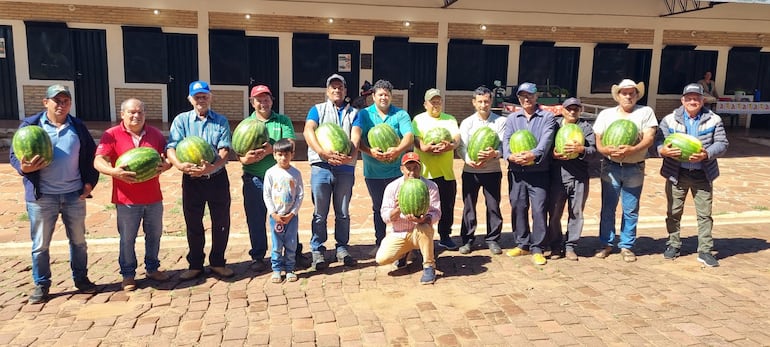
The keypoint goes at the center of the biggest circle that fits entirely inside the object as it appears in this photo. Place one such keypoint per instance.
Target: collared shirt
(214, 128)
(542, 124)
(117, 140)
(435, 165)
(401, 122)
(63, 174)
(278, 127)
(469, 126)
(400, 223)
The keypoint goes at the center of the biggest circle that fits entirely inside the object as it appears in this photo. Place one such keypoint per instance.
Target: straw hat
(627, 83)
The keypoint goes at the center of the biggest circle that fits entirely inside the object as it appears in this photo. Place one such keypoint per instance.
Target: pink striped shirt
(401, 224)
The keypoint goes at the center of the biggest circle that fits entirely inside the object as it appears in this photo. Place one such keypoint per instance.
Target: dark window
(615, 62)
(229, 54)
(264, 66)
(49, 46)
(391, 61)
(311, 63)
(471, 64)
(144, 55)
(680, 65)
(742, 70)
(553, 69)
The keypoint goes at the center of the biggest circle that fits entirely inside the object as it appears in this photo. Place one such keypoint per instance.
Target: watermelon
(143, 161)
(688, 144)
(620, 132)
(383, 136)
(568, 133)
(482, 139)
(193, 149)
(333, 138)
(521, 141)
(249, 134)
(437, 135)
(413, 197)
(30, 141)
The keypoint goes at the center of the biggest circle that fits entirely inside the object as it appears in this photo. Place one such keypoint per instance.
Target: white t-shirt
(642, 116)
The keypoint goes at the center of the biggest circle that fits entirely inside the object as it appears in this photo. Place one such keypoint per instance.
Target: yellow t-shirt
(435, 165)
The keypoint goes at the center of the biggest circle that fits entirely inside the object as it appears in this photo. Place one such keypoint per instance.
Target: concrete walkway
(478, 299)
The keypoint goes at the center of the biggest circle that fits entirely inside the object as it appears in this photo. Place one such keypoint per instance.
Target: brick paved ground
(479, 299)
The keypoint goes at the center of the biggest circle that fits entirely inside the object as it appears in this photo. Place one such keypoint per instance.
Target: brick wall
(296, 104)
(33, 99)
(97, 14)
(459, 106)
(551, 33)
(715, 38)
(229, 103)
(665, 106)
(341, 26)
(152, 98)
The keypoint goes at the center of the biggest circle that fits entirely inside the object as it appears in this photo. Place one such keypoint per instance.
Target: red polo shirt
(116, 141)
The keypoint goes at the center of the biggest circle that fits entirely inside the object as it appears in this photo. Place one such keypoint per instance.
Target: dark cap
(693, 88)
(527, 87)
(570, 102)
(57, 89)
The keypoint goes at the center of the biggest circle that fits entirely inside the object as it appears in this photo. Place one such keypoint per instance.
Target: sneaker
(571, 255)
(628, 255)
(494, 248)
(556, 254)
(346, 259)
(257, 265)
(39, 295)
(708, 259)
(428, 276)
(190, 274)
(671, 252)
(516, 252)
(603, 252)
(401, 263)
(319, 263)
(129, 284)
(85, 286)
(538, 259)
(446, 242)
(291, 277)
(158, 275)
(222, 271)
(466, 248)
(276, 277)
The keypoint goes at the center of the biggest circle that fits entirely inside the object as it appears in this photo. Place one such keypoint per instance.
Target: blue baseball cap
(199, 87)
(527, 87)
(57, 89)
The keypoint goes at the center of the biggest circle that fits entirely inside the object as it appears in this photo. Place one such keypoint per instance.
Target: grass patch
(110, 207)
(24, 217)
(759, 208)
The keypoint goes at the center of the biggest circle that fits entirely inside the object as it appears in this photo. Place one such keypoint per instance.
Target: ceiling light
(331, 20)
(483, 27)
(247, 16)
(155, 12)
(406, 24)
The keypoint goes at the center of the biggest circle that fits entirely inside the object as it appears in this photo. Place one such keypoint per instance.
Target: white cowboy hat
(627, 83)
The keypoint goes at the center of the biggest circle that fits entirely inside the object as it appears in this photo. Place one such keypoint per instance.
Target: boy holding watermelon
(695, 172)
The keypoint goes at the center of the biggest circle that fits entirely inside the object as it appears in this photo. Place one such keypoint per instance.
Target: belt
(624, 164)
(208, 176)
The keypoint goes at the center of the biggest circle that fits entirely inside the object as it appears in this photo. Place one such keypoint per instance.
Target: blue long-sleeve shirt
(543, 125)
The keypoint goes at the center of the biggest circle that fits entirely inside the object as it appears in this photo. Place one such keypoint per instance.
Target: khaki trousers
(394, 246)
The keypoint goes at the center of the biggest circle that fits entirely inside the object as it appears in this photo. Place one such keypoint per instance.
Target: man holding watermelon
(527, 145)
(204, 182)
(436, 136)
(623, 135)
(332, 174)
(137, 203)
(57, 187)
(255, 163)
(691, 165)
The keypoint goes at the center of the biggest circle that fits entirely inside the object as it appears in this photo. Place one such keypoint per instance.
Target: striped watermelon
(249, 134)
(482, 139)
(437, 135)
(143, 161)
(30, 141)
(521, 141)
(621, 132)
(413, 197)
(688, 144)
(568, 133)
(193, 149)
(333, 138)
(383, 136)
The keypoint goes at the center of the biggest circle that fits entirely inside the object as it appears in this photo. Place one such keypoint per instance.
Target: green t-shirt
(278, 127)
(435, 165)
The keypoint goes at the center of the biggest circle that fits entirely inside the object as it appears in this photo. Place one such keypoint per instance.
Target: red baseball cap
(411, 156)
(259, 90)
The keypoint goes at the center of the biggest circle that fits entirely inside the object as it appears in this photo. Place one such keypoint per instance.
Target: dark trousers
(529, 189)
(491, 183)
(376, 187)
(573, 193)
(256, 215)
(447, 192)
(196, 193)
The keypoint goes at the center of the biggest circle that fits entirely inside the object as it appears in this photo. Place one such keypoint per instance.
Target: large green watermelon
(413, 197)
(437, 135)
(249, 134)
(383, 136)
(521, 141)
(620, 132)
(688, 144)
(480, 140)
(193, 149)
(333, 138)
(30, 141)
(143, 161)
(568, 133)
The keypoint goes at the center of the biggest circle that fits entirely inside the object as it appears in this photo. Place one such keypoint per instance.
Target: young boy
(283, 193)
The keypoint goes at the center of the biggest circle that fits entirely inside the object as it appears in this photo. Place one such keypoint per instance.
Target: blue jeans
(329, 185)
(256, 213)
(43, 214)
(622, 183)
(376, 187)
(129, 218)
(284, 252)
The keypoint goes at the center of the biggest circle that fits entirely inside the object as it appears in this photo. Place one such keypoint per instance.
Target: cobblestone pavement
(478, 299)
